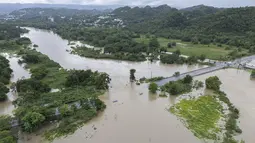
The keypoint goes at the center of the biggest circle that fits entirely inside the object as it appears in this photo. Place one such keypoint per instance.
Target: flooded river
(241, 92)
(134, 118)
(139, 116)
(18, 73)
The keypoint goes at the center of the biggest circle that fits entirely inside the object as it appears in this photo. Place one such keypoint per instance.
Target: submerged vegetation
(6, 135)
(75, 103)
(179, 87)
(213, 83)
(52, 93)
(208, 117)
(132, 75)
(153, 87)
(97, 54)
(153, 79)
(253, 74)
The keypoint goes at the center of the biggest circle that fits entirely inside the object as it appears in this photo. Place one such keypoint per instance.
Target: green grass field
(187, 48)
(200, 115)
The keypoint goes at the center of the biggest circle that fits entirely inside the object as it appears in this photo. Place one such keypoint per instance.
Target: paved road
(218, 66)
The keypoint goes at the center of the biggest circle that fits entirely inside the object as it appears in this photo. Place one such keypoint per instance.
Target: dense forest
(232, 26)
(5, 76)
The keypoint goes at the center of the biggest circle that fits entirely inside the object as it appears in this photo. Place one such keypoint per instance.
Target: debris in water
(95, 128)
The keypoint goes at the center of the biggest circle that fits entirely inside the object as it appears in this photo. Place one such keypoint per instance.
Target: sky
(176, 3)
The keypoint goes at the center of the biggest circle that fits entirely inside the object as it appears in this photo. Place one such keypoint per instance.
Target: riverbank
(210, 51)
(98, 54)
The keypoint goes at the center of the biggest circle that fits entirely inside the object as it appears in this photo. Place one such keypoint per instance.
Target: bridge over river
(218, 65)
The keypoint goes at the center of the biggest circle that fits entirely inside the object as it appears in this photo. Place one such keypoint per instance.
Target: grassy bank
(211, 51)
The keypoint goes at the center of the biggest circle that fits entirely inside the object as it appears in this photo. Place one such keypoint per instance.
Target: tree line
(5, 76)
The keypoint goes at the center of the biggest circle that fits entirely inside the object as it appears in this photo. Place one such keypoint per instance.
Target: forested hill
(199, 10)
(154, 19)
(233, 20)
(234, 26)
(51, 12)
(147, 13)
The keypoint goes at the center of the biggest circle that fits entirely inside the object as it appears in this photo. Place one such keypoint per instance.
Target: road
(218, 65)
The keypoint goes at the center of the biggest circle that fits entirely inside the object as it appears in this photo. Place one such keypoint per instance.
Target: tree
(5, 122)
(163, 49)
(154, 43)
(6, 137)
(39, 73)
(87, 78)
(177, 52)
(32, 85)
(205, 41)
(3, 96)
(169, 45)
(31, 121)
(188, 79)
(213, 83)
(174, 44)
(153, 87)
(31, 58)
(64, 110)
(176, 74)
(198, 84)
(191, 59)
(3, 91)
(253, 74)
(132, 74)
(202, 57)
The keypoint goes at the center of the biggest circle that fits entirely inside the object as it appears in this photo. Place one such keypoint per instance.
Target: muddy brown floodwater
(240, 89)
(18, 72)
(138, 116)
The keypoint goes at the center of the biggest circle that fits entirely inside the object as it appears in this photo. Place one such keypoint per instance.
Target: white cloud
(178, 3)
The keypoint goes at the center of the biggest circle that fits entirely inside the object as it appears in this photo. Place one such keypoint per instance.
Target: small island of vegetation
(210, 117)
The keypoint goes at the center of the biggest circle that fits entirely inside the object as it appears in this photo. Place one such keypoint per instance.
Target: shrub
(153, 87)
(188, 79)
(213, 83)
(253, 74)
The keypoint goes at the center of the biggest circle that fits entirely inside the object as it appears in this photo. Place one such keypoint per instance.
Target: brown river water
(18, 73)
(139, 116)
